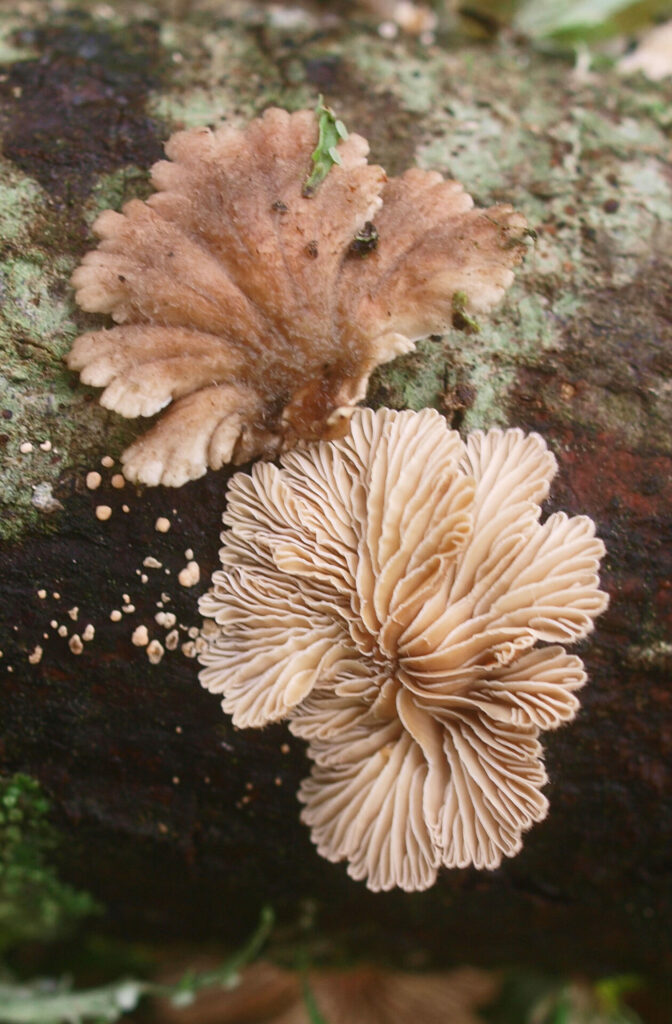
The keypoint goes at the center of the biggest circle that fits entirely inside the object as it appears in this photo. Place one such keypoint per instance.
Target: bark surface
(174, 820)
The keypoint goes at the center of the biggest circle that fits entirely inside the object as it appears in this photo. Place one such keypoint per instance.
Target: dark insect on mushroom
(365, 241)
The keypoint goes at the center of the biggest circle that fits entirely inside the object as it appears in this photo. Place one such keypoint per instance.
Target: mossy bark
(175, 820)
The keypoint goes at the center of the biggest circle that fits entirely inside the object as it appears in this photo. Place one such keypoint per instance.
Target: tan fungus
(395, 597)
(259, 312)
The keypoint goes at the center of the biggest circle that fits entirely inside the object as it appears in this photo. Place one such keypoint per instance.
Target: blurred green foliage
(35, 905)
(45, 1001)
(528, 998)
(579, 20)
(572, 21)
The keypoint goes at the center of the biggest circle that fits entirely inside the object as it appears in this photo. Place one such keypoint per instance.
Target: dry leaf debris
(362, 995)
(394, 595)
(253, 310)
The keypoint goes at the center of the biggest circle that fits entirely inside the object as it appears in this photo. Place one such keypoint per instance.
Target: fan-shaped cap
(259, 308)
(394, 595)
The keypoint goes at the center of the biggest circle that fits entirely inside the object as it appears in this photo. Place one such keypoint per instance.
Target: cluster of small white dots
(172, 631)
(26, 447)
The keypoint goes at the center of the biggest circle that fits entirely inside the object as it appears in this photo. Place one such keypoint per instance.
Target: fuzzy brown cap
(260, 312)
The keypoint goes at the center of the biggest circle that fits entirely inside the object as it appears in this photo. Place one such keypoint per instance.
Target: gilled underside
(395, 597)
(252, 311)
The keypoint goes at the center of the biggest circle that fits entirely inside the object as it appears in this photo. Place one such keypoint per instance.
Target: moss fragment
(35, 905)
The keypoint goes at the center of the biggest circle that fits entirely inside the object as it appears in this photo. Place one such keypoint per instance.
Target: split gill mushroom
(395, 597)
(252, 305)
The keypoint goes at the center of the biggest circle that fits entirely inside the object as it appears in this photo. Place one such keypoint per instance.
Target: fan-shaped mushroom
(395, 597)
(259, 307)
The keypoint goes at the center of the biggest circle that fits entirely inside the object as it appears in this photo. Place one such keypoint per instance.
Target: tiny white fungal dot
(125, 598)
(189, 554)
(143, 577)
(25, 448)
(107, 461)
(277, 780)
(118, 481)
(151, 563)
(193, 632)
(36, 657)
(176, 780)
(172, 640)
(140, 636)
(284, 748)
(165, 597)
(128, 609)
(75, 644)
(93, 480)
(41, 594)
(165, 619)
(178, 729)
(56, 596)
(189, 649)
(190, 575)
(54, 624)
(155, 652)
(89, 632)
(162, 524)
(73, 612)
(388, 30)
(62, 631)
(115, 615)
(103, 512)
(125, 508)
(45, 446)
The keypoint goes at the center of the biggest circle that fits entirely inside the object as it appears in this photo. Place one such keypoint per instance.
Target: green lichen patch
(111, 191)
(230, 75)
(20, 196)
(47, 423)
(612, 362)
(12, 47)
(415, 381)
(416, 80)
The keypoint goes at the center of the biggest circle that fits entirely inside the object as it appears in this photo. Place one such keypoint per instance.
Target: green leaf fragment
(48, 1002)
(310, 1002)
(462, 320)
(325, 155)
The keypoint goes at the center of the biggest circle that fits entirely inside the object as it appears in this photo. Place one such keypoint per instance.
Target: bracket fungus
(259, 304)
(394, 595)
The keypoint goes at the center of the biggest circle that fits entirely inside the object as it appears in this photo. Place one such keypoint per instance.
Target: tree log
(177, 822)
